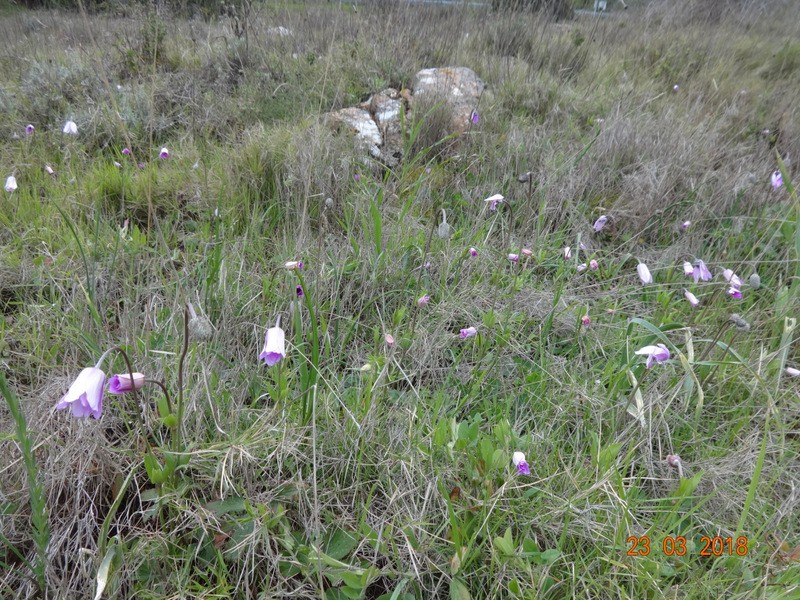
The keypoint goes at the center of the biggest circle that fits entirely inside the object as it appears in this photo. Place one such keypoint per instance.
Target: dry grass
(402, 477)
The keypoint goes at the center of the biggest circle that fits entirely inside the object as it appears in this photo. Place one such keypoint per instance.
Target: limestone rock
(458, 87)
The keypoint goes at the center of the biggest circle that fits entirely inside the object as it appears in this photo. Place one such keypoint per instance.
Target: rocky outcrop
(376, 122)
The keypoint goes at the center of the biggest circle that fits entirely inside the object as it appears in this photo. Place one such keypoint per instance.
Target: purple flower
(274, 346)
(494, 200)
(29, 129)
(594, 265)
(776, 180)
(389, 339)
(673, 460)
(164, 153)
(423, 300)
(468, 333)
(49, 170)
(126, 151)
(567, 252)
(675, 87)
(691, 298)
(299, 290)
(518, 458)
(294, 264)
(427, 264)
(658, 353)
(701, 272)
(644, 274)
(600, 223)
(473, 252)
(586, 321)
(792, 372)
(514, 258)
(688, 269)
(356, 177)
(11, 184)
(735, 292)
(122, 384)
(732, 278)
(581, 267)
(85, 395)
(475, 117)
(70, 128)
(527, 252)
(685, 225)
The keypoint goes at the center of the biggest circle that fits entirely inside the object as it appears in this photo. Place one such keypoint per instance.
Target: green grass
(358, 469)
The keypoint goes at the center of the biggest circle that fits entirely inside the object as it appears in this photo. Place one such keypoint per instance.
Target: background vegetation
(392, 476)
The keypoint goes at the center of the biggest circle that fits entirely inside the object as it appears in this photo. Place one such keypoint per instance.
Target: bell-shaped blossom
(423, 300)
(676, 88)
(527, 252)
(688, 269)
(117, 164)
(468, 333)
(274, 346)
(567, 252)
(600, 223)
(49, 170)
(518, 458)
(474, 117)
(735, 293)
(70, 128)
(792, 372)
(126, 151)
(11, 184)
(776, 180)
(164, 153)
(85, 395)
(29, 129)
(294, 264)
(299, 291)
(356, 177)
(586, 321)
(701, 272)
(473, 252)
(644, 274)
(655, 354)
(691, 298)
(685, 225)
(754, 281)
(674, 461)
(594, 265)
(732, 278)
(122, 383)
(389, 339)
(582, 267)
(514, 258)
(494, 200)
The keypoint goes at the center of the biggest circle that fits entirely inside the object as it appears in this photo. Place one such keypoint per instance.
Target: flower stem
(181, 361)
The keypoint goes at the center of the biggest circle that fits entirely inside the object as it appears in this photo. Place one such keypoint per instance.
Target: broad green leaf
(459, 590)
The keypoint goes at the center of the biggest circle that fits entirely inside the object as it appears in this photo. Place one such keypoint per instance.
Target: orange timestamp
(676, 545)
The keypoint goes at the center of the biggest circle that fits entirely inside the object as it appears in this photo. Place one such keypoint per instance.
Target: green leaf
(228, 505)
(550, 556)
(459, 590)
(353, 580)
(340, 544)
(505, 544)
(153, 468)
(104, 572)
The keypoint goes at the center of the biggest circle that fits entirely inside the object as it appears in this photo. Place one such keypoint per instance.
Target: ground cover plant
(241, 358)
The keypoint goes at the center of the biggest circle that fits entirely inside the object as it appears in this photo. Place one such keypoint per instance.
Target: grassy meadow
(376, 459)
